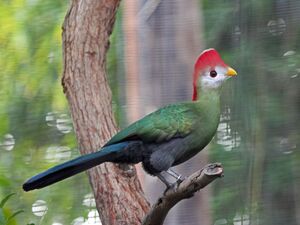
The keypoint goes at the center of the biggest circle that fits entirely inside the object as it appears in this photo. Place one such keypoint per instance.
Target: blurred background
(150, 63)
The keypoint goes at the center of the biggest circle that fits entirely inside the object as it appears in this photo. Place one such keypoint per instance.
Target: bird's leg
(176, 175)
(164, 180)
(179, 178)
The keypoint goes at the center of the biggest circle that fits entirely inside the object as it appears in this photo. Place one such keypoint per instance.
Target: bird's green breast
(208, 107)
(206, 113)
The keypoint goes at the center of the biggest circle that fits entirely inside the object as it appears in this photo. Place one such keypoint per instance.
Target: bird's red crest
(208, 58)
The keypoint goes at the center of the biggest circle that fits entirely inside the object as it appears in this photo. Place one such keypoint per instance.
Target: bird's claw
(174, 186)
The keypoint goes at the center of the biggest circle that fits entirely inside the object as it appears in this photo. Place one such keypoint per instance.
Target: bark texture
(86, 29)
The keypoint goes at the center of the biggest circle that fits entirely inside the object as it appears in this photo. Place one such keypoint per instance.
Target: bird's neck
(209, 100)
(206, 94)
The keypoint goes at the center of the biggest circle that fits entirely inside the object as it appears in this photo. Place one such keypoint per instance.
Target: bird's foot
(174, 186)
(171, 185)
(179, 178)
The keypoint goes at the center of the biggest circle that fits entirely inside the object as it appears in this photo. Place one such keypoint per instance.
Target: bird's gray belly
(190, 149)
(162, 156)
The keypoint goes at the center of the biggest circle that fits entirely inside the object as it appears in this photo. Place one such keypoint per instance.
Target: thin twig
(185, 189)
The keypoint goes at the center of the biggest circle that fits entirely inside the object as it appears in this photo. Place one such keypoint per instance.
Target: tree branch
(185, 189)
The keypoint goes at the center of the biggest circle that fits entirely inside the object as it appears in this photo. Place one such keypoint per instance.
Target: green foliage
(5, 199)
(7, 217)
(31, 63)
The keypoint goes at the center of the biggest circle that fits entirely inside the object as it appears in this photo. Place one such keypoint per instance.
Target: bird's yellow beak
(231, 72)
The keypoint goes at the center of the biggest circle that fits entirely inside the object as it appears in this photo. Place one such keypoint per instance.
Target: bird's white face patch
(208, 81)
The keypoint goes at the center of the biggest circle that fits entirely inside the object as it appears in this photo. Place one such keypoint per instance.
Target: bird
(162, 139)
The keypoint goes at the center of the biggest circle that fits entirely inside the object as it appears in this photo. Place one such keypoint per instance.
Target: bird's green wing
(162, 125)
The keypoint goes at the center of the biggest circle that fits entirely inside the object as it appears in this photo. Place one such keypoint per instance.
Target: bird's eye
(213, 73)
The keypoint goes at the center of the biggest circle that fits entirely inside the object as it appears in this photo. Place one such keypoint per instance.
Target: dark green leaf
(6, 199)
(14, 215)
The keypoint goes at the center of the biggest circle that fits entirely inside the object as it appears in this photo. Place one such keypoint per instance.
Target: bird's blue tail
(124, 152)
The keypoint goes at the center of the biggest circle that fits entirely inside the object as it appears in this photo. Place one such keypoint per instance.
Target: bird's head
(210, 72)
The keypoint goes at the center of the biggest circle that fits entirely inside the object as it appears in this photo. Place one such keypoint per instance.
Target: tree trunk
(86, 30)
